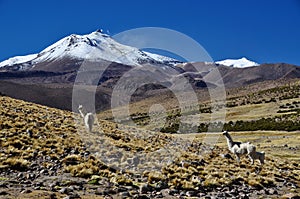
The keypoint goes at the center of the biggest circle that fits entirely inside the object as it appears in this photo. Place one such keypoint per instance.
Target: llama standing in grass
(88, 118)
(240, 148)
(260, 156)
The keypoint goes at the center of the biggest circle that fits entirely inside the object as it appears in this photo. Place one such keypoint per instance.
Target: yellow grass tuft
(82, 170)
(16, 163)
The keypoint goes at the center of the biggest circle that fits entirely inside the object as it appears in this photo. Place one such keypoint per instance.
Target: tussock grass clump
(121, 180)
(16, 163)
(72, 159)
(155, 177)
(84, 170)
(211, 182)
(254, 183)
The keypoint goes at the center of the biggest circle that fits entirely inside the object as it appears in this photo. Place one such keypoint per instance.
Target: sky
(263, 31)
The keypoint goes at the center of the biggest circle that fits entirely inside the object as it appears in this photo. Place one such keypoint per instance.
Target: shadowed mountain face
(235, 77)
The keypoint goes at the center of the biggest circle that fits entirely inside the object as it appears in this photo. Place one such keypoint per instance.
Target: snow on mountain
(94, 46)
(238, 63)
(18, 60)
(98, 46)
(159, 57)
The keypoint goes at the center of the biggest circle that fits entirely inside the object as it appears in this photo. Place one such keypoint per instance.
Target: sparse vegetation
(49, 143)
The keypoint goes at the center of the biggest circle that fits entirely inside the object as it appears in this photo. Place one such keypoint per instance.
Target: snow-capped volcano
(94, 47)
(238, 63)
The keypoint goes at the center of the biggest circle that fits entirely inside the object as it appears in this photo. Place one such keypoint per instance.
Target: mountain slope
(95, 47)
(236, 77)
(46, 153)
(18, 60)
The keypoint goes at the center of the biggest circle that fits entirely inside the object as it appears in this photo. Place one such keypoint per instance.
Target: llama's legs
(251, 159)
(88, 127)
(237, 158)
(261, 161)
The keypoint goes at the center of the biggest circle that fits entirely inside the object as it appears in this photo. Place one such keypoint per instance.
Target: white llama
(88, 118)
(240, 148)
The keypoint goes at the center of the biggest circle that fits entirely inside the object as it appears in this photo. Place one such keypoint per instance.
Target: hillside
(269, 105)
(46, 153)
(99, 60)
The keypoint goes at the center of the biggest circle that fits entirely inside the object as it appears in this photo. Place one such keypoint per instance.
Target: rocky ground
(46, 153)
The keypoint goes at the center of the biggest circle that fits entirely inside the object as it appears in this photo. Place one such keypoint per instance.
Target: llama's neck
(81, 113)
(229, 141)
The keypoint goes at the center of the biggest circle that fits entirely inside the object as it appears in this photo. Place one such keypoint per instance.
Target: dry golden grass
(54, 132)
(16, 163)
(254, 102)
(279, 158)
(244, 112)
(276, 143)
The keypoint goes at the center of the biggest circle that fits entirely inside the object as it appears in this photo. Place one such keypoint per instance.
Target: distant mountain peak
(238, 63)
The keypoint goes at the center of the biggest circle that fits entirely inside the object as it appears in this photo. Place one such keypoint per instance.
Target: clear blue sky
(262, 30)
